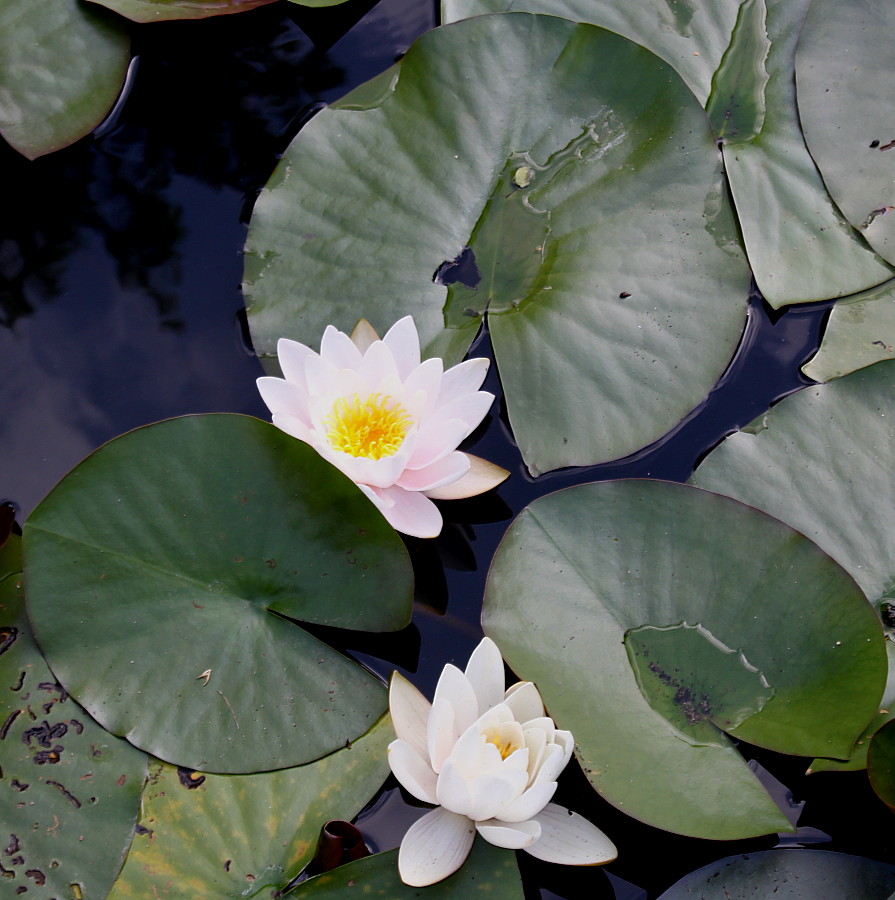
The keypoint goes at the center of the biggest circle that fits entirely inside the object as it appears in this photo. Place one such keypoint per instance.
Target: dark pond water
(120, 266)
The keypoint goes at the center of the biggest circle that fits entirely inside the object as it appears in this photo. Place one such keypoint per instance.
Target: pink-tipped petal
(414, 773)
(485, 673)
(446, 471)
(284, 397)
(422, 388)
(434, 443)
(339, 350)
(569, 839)
(377, 366)
(363, 335)
(481, 477)
(511, 835)
(410, 512)
(529, 804)
(465, 377)
(470, 409)
(410, 713)
(434, 847)
(524, 700)
(404, 342)
(292, 426)
(292, 357)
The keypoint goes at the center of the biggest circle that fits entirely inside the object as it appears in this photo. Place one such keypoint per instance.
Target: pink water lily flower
(489, 759)
(387, 420)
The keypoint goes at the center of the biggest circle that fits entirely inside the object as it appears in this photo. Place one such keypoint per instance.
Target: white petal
(452, 789)
(570, 839)
(339, 350)
(409, 512)
(412, 771)
(410, 713)
(511, 835)
(435, 442)
(446, 471)
(485, 673)
(491, 793)
(469, 409)
(545, 723)
(422, 387)
(434, 847)
(536, 741)
(552, 763)
(403, 341)
(441, 734)
(325, 383)
(525, 701)
(465, 378)
(455, 687)
(529, 803)
(481, 477)
(284, 397)
(381, 473)
(292, 426)
(363, 335)
(377, 366)
(292, 357)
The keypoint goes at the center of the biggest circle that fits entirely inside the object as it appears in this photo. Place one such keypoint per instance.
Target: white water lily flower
(391, 423)
(489, 758)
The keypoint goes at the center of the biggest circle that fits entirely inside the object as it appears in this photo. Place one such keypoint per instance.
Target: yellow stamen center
(372, 427)
(505, 744)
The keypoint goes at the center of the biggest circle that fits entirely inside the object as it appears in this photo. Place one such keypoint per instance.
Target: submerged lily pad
(881, 764)
(169, 575)
(846, 82)
(738, 58)
(165, 10)
(488, 872)
(791, 655)
(212, 836)
(822, 461)
(788, 875)
(584, 185)
(62, 64)
(69, 791)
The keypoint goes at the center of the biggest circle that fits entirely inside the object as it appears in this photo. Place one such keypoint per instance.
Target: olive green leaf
(165, 10)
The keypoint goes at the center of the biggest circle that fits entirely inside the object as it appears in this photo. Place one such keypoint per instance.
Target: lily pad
(584, 182)
(65, 784)
(845, 86)
(212, 836)
(738, 58)
(859, 332)
(788, 875)
(822, 461)
(489, 872)
(188, 554)
(62, 65)
(881, 764)
(166, 10)
(792, 656)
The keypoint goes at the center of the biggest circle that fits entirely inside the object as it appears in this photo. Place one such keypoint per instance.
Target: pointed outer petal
(292, 357)
(545, 723)
(536, 741)
(292, 426)
(422, 388)
(409, 512)
(434, 847)
(404, 342)
(481, 477)
(552, 763)
(324, 381)
(452, 468)
(434, 443)
(455, 687)
(485, 673)
(465, 378)
(410, 713)
(339, 350)
(440, 733)
(363, 334)
(377, 365)
(452, 789)
(524, 699)
(570, 839)
(284, 397)
(511, 835)
(491, 793)
(565, 740)
(412, 771)
(471, 409)
(529, 804)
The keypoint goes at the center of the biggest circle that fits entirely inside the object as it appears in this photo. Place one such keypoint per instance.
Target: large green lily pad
(738, 58)
(881, 763)
(587, 183)
(859, 332)
(62, 64)
(213, 836)
(790, 654)
(69, 791)
(846, 81)
(822, 461)
(788, 875)
(164, 575)
(488, 872)
(166, 10)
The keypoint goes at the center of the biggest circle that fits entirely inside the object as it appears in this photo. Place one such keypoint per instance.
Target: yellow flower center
(505, 744)
(372, 427)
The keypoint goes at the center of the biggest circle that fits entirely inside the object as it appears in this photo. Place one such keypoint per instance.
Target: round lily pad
(657, 620)
(577, 203)
(881, 763)
(169, 577)
(165, 10)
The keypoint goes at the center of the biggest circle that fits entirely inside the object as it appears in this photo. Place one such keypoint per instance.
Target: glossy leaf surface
(187, 552)
(588, 185)
(166, 10)
(881, 764)
(582, 571)
(62, 64)
(213, 836)
(788, 875)
(69, 791)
